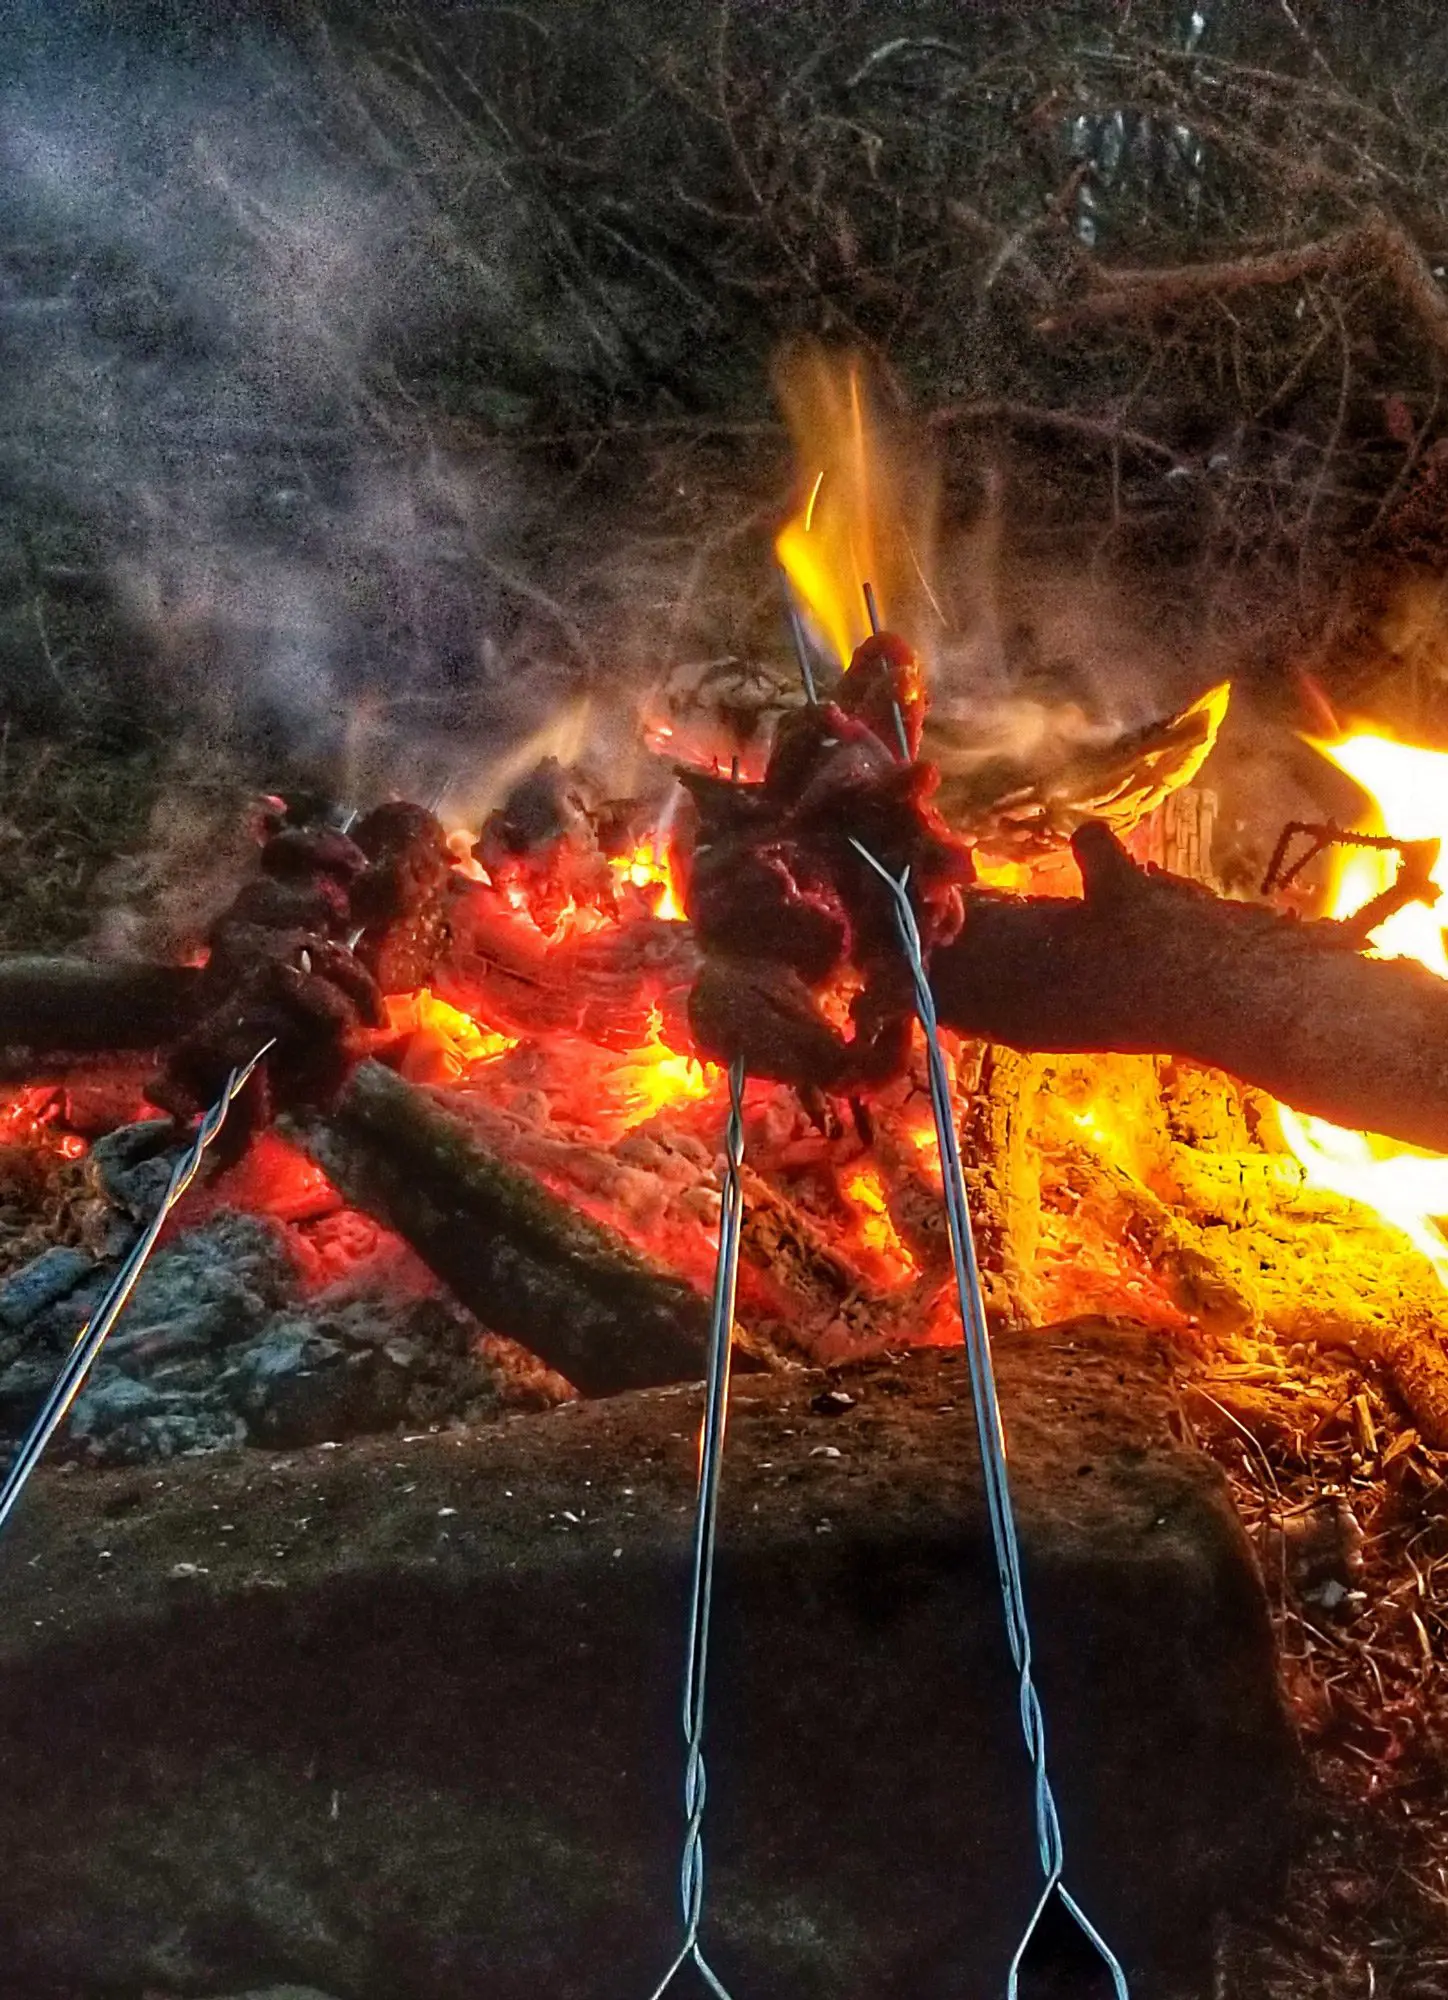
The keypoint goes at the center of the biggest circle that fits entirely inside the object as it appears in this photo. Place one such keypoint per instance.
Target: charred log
(80, 1006)
(524, 1261)
(603, 986)
(1149, 964)
(781, 1240)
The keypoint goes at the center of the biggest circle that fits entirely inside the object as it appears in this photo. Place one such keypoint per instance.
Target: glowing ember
(648, 868)
(29, 1119)
(653, 1077)
(862, 520)
(1013, 878)
(874, 1230)
(273, 1177)
(443, 1041)
(1409, 788)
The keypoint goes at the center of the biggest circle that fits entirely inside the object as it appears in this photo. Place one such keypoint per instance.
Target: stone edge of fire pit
(159, 1624)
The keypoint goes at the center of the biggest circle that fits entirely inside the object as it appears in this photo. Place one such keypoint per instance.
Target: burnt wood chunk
(1148, 964)
(83, 1005)
(527, 1263)
(410, 1724)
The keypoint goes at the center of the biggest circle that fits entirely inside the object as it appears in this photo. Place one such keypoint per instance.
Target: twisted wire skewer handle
(991, 1432)
(706, 1518)
(94, 1334)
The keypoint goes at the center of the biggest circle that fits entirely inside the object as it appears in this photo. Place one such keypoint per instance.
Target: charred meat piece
(278, 971)
(402, 899)
(803, 743)
(771, 1017)
(896, 821)
(304, 854)
(304, 883)
(320, 905)
(772, 900)
(884, 676)
(783, 902)
(768, 1015)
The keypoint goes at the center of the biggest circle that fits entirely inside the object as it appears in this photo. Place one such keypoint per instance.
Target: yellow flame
(649, 864)
(654, 1076)
(862, 520)
(865, 1192)
(1409, 789)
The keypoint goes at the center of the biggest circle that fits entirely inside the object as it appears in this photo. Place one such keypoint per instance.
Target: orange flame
(1409, 790)
(861, 520)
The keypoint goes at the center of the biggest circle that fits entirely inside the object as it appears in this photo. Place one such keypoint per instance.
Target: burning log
(780, 1238)
(528, 1264)
(79, 1005)
(1148, 964)
(1003, 1179)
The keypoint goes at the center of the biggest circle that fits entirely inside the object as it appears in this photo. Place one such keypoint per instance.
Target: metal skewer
(801, 643)
(872, 611)
(991, 1433)
(97, 1330)
(706, 1516)
(94, 1334)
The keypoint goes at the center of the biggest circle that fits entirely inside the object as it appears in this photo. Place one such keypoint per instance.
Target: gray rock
(413, 1731)
(289, 1351)
(217, 1348)
(54, 1327)
(151, 1348)
(110, 1399)
(215, 1285)
(45, 1280)
(188, 1427)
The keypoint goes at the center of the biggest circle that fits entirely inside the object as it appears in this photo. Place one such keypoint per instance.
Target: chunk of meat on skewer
(784, 904)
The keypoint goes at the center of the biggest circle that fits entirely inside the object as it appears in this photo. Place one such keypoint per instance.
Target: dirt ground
(1349, 1514)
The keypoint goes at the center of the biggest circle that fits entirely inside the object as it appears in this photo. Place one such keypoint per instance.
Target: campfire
(498, 1076)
